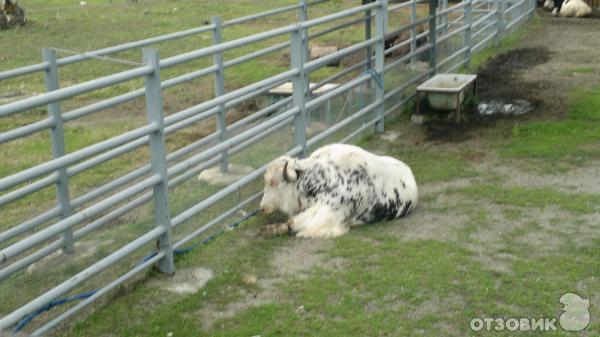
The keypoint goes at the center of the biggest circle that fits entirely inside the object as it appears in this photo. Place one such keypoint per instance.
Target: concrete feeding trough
(447, 91)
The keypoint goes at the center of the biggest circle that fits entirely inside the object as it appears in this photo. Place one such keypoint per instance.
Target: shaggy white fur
(575, 8)
(549, 4)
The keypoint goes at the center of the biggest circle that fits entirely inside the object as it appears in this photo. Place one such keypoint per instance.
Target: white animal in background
(575, 8)
(338, 186)
(549, 5)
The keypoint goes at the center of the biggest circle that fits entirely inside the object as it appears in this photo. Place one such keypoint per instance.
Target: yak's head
(280, 191)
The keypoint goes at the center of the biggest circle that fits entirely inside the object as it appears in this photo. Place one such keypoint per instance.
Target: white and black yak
(337, 187)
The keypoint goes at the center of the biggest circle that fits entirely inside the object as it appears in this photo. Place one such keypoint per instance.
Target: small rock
(417, 119)
(186, 281)
(391, 136)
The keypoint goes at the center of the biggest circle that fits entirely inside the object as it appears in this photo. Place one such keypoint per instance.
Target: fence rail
(452, 35)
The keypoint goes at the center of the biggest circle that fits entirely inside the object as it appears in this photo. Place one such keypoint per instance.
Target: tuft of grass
(583, 70)
(586, 106)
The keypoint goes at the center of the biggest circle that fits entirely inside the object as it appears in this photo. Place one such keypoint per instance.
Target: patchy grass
(533, 197)
(583, 70)
(391, 287)
(432, 166)
(575, 138)
(382, 282)
(505, 44)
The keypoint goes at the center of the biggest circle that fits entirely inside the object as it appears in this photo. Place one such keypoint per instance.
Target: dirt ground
(539, 70)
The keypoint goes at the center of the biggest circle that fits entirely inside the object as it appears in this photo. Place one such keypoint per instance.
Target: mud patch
(500, 80)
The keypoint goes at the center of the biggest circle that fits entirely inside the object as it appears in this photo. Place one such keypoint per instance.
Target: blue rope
(28, 318)
(51, 305)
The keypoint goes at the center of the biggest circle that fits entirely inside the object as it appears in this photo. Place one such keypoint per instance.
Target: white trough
(446, 91)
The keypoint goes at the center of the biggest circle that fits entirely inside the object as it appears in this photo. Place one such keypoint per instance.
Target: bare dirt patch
(184, 281)
(585, 179)
(294, 261)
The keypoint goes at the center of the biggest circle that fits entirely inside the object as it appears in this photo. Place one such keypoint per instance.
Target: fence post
(531, 8)
(299, 85)
(432, 35)
(368, 50)
(158, 155)
(220, 90)
(445, 17)
(380, 25)
(413, 30)
(442, 19)
(500, 25)
(468, 23)
(303, 16)
(58, 146)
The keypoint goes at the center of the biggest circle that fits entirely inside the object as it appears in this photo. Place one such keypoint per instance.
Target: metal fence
(379, 83)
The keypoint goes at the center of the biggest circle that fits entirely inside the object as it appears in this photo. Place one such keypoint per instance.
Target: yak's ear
(290, 172)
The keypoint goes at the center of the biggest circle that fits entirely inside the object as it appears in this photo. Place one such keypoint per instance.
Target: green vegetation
(576, 137)
(429, 166)
(385, 286)
(583, 70)
(466, 252)
(533, 197)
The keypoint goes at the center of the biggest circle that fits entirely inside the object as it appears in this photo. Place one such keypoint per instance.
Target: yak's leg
(301, 221)
(319, 221)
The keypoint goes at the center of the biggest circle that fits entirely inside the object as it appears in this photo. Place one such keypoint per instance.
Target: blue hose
(29, 317)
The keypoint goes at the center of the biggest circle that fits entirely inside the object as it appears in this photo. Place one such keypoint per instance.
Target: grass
(573, 140)
(392, 287)
(583, 70)
(533, 197)
(384, 282)
(429, 166)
